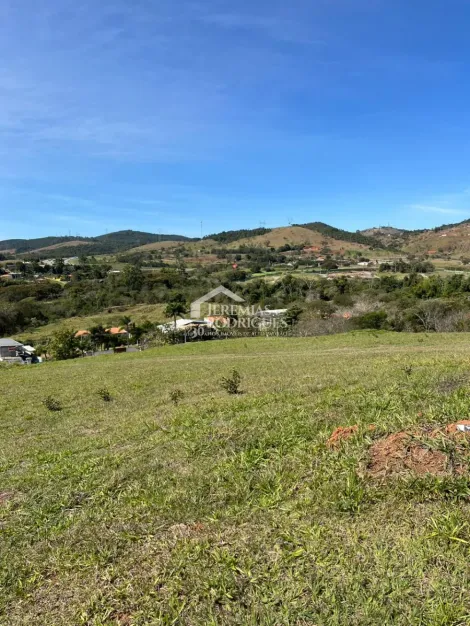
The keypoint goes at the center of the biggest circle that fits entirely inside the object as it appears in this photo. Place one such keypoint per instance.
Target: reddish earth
(342, 433)
(407, 452)
(400, 453)
(452, 428)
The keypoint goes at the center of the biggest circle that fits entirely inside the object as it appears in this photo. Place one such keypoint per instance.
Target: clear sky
(157, 114)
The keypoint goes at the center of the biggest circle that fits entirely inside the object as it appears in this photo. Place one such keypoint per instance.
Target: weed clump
(231, 383)
(176, 395)
(104, 394)
(52, 404)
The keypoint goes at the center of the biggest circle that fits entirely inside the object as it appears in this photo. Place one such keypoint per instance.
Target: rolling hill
(269, 237)
(297, 235)
(343, 235)
(452, 239)
(389, 236)
(67, 246)
(449, 239)
(20, 246)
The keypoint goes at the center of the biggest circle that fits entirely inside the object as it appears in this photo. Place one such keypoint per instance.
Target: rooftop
(9, 343)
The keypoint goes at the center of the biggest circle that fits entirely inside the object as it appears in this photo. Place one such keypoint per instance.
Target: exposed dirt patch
(449, 385)
(451, 429)
(5, 496)
(342, 433)
(123, 619)
(182, 531)
(401, 453)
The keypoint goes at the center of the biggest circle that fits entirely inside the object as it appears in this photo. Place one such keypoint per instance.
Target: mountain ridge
(446, 239)
(107, 243)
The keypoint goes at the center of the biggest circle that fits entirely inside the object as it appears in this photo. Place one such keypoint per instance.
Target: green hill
(109, 243)
(26, 245)
(343, 235)
(229, 236)
(206, 508)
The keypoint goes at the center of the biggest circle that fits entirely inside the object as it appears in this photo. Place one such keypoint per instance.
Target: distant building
(116, 330)
(268, 317)
(11, 276)
(14, 351)
(182, 324)
(10, 348)
(217, 320)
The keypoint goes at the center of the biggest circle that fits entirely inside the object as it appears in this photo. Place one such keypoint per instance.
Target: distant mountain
(302, 236)
(449, 239)
(20, 246)
(389, 236)
(453, 239)
(232, 236)
(229, 236)
(109, 243)
(126, 239)
(343, 235)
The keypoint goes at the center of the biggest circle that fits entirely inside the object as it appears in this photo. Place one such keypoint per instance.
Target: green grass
(230, 509)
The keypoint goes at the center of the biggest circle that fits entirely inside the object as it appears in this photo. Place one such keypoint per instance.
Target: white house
(13, 351)
(181, 324)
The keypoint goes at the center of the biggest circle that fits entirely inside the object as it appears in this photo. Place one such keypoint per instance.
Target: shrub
(292, 315)
(104, 394)
(64, 345)
(343, 299)
(52, 404)
(231, 383)
(374, 320)
(176, 395)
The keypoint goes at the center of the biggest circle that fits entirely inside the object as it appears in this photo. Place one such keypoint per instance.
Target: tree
(59, 267)
(133, 277)
(86, 345)
(64, 345)
(126, 322)
(292, 315)
(98, 336)
(176, 306)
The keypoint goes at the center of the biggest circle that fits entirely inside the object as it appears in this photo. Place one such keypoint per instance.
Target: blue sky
(155, 115)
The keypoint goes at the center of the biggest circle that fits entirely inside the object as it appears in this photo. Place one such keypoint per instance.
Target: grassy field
(222, 509)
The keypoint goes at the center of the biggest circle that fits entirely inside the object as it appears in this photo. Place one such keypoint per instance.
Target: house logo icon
(196, 304)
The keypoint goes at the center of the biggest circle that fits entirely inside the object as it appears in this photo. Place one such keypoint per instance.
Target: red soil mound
(341, 434)
(400, 453)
